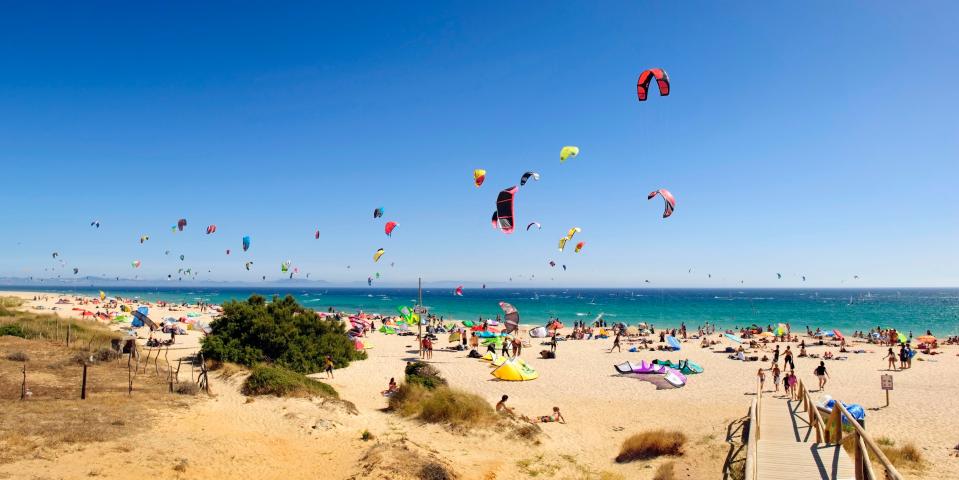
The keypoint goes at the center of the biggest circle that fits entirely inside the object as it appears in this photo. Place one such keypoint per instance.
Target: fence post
(23, 386)
(859, 456)
(83, 387)
(69, 325)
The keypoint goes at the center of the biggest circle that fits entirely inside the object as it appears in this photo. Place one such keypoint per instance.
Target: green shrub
(422, 373)
(274, 380)
(12, 330)
(281, 332)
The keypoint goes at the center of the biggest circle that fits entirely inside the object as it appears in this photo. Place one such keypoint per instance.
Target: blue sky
(812, 138)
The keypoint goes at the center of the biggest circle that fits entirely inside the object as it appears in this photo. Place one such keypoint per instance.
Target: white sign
(886, 382)
(420, 310)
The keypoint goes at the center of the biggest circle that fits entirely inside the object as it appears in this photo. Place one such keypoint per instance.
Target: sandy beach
(602, 409)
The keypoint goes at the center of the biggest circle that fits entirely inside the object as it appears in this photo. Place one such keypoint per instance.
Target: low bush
(905, 456)
(18, 357)
(424, 374)
(12, 330)
(435, 471)
(666, 471)
(275, 380)
(651, 444)
(188, 388)
(442, 405)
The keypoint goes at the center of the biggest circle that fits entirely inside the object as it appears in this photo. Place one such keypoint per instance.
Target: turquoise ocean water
(914, 310)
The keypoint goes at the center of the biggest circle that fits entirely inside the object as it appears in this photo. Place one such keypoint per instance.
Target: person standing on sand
(552, 345)
(504, 351)
(762, 378)
(776, 355)
(328, 362)
(821, 374)
(776, 374)
(616, 343)
(428, 348)
(891, 356)
(788, 358)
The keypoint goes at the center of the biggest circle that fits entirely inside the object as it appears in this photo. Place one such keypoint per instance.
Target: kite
(264, 277)
(248, 264)
(228, 251)
(103, 296)
(210, 229)
(167, 252)
(246, 243)
(779, 276)
(564, 268)
(533, 223)
(804, 278)
(379, 253)
(667, 198)
(182, 257)
(552, 263)
(579, 246)
(388, 229)
(567, 152)
(377, 275)
(316, 234)
(642, 85)
(459, 291)
(562, 243)
(76, 270)
(95, 223)
(573, 231)
(56, 254)
(512, 316)
(285, 266)
(503, 217)
(369, 281)
(526, 177)
(378, 212)
(479, 176)
(180, 224)
(144, 238)
(136, 264)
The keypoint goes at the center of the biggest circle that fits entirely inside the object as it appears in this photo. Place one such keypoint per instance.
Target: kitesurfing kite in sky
(388, 229)
(526, 176)
(459, 291)
(379, 253)
(503, 216)
(246, 243)
(180, 224)
(210, 229)
(667, 198)
(378, 212)
(533, 223)
(568, 151)
(642, 85)
(479, 176)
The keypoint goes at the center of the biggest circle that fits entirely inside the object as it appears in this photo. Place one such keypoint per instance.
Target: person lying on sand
(555, 417)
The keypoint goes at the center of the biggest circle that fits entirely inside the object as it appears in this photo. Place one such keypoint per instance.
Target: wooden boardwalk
(787, 448)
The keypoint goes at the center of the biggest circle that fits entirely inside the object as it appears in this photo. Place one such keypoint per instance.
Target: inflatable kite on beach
(568, 151)
(180, 224)
(388, 229)
(527, 176)
(642, 85)
(379, 253)
(503, 216)
(667, 198)
(479, 176)
(210, 229)
(246, 243)
(377, 212)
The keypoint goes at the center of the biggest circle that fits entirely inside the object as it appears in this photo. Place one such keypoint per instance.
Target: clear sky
(807, 138)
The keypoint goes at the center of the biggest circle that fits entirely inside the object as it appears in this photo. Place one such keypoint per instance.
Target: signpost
(886, 382)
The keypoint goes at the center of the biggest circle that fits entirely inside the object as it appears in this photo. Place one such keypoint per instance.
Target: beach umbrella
(838, 335)
(926, 339)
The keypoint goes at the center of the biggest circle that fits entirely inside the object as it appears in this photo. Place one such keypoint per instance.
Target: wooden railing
(752, 441)
(830, 431)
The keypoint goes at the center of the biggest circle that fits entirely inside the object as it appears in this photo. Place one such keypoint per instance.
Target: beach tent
(515, 371)
(625, 367)
(689, 368)
(454, 337)
(387, 330)
(489, 357)
(140, 319)
(500, 360)
(538, 332)
(675, 378)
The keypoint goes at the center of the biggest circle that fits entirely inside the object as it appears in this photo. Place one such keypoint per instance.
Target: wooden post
(57, 338)
(23, 386)
(68, 333)
(83, 387)
(859, 456)
(129, 379)
(887, 398)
